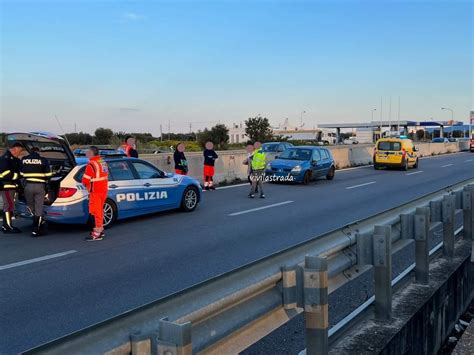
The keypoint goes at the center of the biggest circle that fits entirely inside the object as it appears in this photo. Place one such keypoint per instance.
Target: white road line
(445, 166)
(360, 185)
(415, 172)
(231, 186)
(260, 208)
(468, 160)
(35, 260)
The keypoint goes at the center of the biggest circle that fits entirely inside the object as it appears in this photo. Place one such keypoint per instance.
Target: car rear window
(389, 146)
(79, 174)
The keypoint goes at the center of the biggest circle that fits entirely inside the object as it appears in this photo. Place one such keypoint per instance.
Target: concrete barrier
(230, 168)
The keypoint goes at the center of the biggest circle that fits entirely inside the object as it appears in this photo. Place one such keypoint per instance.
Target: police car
(136, 187)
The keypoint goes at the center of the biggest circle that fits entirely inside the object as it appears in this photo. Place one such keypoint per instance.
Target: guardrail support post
(422, 253)
(406, 226)
(141, 344)
(289, 287)
(458, 199)
(174, 338)
(382, 244)
(435, 210)
(316, 305)
(449, 207)
(468, 211)
(468, 215)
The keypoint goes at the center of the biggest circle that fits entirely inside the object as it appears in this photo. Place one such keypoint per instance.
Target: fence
(228, 313)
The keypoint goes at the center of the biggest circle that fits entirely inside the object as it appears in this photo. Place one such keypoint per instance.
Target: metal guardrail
(229, 312)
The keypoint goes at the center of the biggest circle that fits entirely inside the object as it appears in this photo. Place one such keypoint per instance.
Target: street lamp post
(452, 118)
(301, 118)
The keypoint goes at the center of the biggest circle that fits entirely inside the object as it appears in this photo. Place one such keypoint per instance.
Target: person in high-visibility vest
(96, 179)
(9, 184)
(258, 170)
(36, 172)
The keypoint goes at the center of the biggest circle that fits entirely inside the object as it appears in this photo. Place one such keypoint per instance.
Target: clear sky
(133, 65)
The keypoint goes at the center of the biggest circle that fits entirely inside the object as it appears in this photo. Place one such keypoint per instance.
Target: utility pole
(169, 130)
(381, 109)
(161, 132)
(390, 117)
(372, 122)
(452, 118)
(398, 124)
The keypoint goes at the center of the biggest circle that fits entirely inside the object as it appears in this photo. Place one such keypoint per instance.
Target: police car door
(124, 187)
(160, 191)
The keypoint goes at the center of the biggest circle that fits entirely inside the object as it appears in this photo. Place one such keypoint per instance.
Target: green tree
(203, 137)
(420, 134)
(219, 135)
(80, 138)
(103, 136)
(258, 129)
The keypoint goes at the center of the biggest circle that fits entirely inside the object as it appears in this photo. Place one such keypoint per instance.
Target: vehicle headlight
(296, 169)
(269, 166)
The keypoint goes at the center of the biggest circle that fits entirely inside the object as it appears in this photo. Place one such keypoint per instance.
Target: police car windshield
(270, 147)
(296, 154)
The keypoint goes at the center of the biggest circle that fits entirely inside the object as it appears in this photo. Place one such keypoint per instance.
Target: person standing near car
(36, 173)
(95, 179)
(258, 170)
(210, 157)
(248, 162)
(9, 184)
(130, 147)
(180, 161)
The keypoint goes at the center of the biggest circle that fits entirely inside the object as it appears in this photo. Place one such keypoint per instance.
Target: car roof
(394, 139)
(308, 147)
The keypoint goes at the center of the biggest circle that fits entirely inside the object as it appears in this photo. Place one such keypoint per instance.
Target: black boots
(7, 226)
(39, 225)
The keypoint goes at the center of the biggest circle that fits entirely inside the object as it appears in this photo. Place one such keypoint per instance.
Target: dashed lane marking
(36, 260)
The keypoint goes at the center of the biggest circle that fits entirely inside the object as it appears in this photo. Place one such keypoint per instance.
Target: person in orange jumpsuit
(95, 179)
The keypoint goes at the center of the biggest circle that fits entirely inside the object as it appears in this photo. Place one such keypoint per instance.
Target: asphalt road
(148, 257)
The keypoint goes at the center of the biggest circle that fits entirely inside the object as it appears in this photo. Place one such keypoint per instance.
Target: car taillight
(65, 192)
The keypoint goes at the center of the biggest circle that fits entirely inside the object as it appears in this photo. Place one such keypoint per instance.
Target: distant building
(237, 133)
(293, 133)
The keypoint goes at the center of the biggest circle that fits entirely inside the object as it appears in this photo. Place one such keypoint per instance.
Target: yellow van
(396, 152)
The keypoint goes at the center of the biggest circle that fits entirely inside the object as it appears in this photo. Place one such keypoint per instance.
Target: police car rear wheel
(110, 213)
(190, 199)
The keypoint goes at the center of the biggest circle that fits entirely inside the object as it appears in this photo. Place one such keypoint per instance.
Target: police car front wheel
(190, 199)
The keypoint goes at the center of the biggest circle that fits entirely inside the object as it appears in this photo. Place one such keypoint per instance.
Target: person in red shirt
(95, 179)
(130, 147)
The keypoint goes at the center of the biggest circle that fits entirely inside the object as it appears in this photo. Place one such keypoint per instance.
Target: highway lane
(153, 256)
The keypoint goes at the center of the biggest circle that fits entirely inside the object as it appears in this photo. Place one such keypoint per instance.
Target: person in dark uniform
(9, 184)
(180, 162)
(36, 172)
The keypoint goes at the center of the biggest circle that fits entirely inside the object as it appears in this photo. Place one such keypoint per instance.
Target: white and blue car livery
(136, 187)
